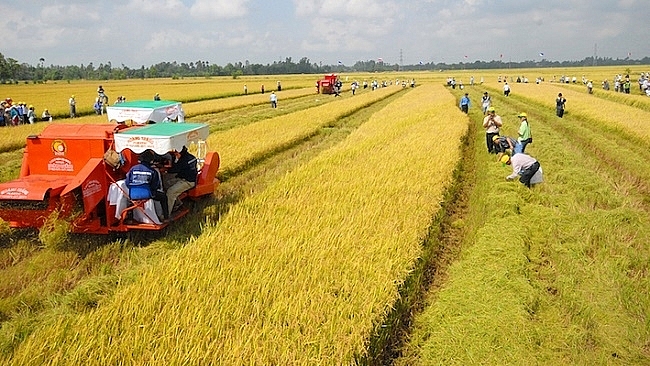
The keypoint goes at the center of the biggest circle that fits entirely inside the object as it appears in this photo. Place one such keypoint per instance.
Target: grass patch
(553, 275)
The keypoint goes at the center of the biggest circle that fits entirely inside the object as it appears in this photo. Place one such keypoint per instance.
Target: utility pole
(595, 53)
(401, 60)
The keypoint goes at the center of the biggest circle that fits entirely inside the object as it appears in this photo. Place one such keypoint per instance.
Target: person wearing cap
(31, 115)
(15, 115)
(73, 106)
(180, 177)
(274, 100)
(156, 97)
(525, 135)
(486, 102)
(46, 116)
(506, 89)
(559, 105)
(465, 103)
(506, 145)
(492, 123)
(23, 112)
(525, 167)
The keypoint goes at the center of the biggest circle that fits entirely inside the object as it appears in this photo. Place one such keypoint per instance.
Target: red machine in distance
(64, 170)
(327, 83)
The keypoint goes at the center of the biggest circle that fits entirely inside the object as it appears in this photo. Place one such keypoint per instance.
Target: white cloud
(347, 8)
(208, 9)
(70, 16)
(159, 8)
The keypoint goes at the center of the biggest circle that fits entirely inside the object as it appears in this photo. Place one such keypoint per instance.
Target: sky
(139, 33)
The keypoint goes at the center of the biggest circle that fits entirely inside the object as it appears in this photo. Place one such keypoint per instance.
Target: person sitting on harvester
(180, 177)
(144, 182)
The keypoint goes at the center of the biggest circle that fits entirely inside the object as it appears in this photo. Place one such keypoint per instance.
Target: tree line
(12, 71)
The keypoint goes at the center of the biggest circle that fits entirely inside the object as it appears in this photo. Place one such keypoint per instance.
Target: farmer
(144, 182)
(504, 143)
(98, 106)
(559, 105)
(180, 177)
(486, 102)
(465, 103)
(73, 106)
(31, 115)
(525, 135)
(274, 100)
(524, 166)
(492, 122)
(46, 116)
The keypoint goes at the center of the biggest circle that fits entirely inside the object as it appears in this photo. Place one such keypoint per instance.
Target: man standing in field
(486, 102)
(506, 89)
(73, 106)
(559, 105)
(274, 100)
(465, 103)
(492, 122)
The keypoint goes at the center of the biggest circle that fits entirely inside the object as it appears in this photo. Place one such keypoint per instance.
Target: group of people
(14, 114)
(162, 178)
(511, 151)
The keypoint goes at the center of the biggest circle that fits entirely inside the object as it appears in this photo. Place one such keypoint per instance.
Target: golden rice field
(19, 133)
(301, 273)
(621, 116)
(318, 266)
(54, 95)
(239, 146)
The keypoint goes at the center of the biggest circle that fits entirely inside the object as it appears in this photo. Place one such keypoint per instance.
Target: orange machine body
(63, 170)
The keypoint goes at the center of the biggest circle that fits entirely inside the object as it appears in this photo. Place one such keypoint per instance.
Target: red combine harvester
(66, 169)
(327, 83)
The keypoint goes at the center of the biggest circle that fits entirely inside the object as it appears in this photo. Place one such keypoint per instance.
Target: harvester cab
(65, 171)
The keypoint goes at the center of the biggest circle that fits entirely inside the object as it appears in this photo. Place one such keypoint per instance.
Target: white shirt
(520, 162)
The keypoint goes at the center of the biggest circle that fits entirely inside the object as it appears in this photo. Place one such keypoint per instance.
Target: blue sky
(140, 32)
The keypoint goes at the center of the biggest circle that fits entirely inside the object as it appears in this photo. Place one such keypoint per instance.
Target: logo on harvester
(192, 135)
(14, 192)
(59, 148)
(140, 142)
(91, 187)
(60, 165)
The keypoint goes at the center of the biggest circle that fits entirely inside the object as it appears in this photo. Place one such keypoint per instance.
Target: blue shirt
(142, 181)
